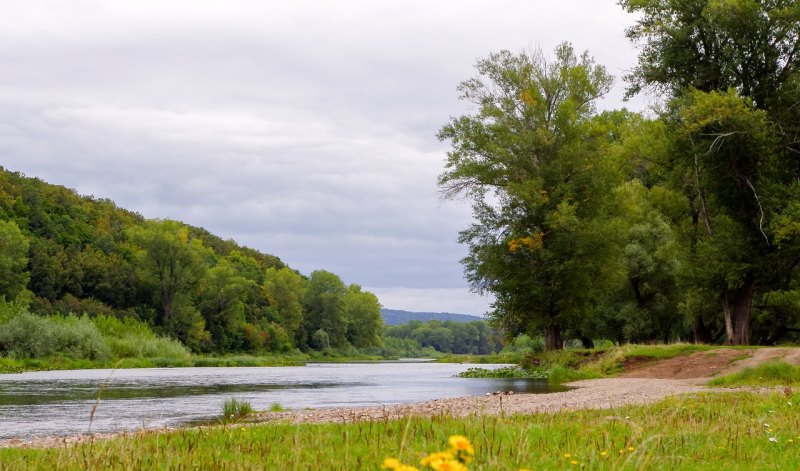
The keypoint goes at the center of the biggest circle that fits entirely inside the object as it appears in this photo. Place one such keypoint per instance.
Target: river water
(61, 402)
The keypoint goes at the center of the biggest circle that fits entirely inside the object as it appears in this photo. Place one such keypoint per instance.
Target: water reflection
(60, 402)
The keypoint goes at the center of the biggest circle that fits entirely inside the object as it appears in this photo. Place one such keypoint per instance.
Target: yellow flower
(391, 463)
(574, 462)
(449, 465)
(567, 455)
(461, 444)
(435, 457)
(630, 448)
(603, 453)
(405, 467)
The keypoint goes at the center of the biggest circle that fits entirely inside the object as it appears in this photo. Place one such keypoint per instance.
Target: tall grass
(234, 409)
(772, 373)
(704, 431)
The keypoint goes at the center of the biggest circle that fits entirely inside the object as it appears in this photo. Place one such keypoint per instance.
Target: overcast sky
(305, 129)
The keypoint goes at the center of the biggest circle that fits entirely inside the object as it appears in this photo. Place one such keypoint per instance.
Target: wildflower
(567, 455)
(435, 457)
(630, 448)
(765, 425)
(448, 465)
(790, 441)
(773, 439)
(461, 444)
(603, 453)
(573, 462)
(391, 463)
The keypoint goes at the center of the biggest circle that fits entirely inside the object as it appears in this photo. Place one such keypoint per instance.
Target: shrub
(29, 336)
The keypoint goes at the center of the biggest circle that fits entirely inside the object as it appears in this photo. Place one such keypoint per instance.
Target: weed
(234, 410)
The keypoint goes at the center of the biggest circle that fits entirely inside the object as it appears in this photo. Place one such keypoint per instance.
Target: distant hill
(395, 317)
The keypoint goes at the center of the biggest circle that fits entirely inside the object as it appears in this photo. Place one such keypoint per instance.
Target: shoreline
(604, 393)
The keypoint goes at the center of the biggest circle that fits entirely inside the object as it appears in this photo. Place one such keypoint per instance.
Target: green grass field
(706, 431)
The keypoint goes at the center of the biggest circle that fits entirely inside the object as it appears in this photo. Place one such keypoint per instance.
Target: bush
(131, 338)
(30, 336)
(523, 344)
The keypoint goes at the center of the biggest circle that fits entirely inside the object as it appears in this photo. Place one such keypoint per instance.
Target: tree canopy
(618, 226)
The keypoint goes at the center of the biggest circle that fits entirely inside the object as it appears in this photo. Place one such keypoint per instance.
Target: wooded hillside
(65, 253)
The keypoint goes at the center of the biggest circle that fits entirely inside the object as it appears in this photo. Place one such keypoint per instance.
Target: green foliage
(364, 321)
(66, 254)
(505, 372)
(234, 409)
(474, 337)
(129, 338)
(13, 262)
(530, 159)
(523, 344)
(772, 373)
(325, 308)
(29, 336)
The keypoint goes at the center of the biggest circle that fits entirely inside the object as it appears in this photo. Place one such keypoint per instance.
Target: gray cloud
(305, 128)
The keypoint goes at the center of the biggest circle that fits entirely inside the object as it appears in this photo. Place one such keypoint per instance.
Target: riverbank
(643, 383)
(698, 430)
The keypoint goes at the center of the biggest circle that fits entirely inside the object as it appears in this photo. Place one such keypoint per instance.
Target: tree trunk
(587, 342)
(700, 331)
(736, 307)
(552, 338)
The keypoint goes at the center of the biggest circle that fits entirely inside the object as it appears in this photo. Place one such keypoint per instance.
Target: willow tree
(731, 69)
(529, 159)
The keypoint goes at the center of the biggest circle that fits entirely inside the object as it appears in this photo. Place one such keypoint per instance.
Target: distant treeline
(64, 253)
(474, 337)
(396, 316)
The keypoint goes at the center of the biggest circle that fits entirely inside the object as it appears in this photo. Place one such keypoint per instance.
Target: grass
(703, 431)
(276, 407)
(19, 365)
(234, 410)
(562, 366)
(771, 373)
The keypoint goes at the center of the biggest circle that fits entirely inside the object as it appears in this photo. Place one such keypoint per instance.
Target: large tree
(732, 73)
(529, 159)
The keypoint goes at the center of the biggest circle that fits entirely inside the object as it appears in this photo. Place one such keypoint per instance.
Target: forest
(61, 254)
(681, 223)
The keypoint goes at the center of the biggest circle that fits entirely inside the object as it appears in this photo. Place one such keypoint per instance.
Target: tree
(530, 159)
(731, 69)
(325, 308)
(221, 301)
(13, 262)
(751, 46)
(171, 261)
(285, 290)
(364, 321)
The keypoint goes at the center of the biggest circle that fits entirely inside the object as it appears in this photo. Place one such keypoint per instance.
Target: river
(61, 402)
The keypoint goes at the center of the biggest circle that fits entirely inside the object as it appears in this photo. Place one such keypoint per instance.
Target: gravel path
(588, 394)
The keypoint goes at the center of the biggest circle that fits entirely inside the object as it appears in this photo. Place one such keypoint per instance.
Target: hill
(63, 253)
(396, 316)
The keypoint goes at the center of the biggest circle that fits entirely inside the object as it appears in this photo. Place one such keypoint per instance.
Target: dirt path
(709, 363)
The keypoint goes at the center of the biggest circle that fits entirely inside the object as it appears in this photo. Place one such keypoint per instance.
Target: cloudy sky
(305, 129)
